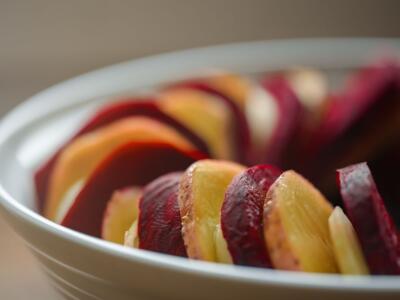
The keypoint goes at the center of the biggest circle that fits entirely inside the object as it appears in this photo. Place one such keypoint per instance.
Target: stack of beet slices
(171, 173)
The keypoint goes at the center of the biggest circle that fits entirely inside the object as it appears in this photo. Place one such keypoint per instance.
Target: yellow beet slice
(121, 212)
(131, 236)
(310, 85)
(200, 197)
(208, 118)
(221, 247)
(234, 86)
(347, 249)
(296, 227)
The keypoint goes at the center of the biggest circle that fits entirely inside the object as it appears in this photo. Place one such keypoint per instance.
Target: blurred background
(44, 42)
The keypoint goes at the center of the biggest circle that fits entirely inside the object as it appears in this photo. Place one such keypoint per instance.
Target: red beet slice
(105, 116)
(134, 163)
(365, 89)
(280, 150)
(240, 125)
(159, 222)
(361, 124)
(373, 224)
(242, 215)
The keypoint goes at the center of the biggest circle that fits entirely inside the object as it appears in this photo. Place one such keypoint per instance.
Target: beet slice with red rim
(240, 125)
(242, 215)
(159, 221)
(373, 224)
(135, 163)
(280, 148)
(105, 116)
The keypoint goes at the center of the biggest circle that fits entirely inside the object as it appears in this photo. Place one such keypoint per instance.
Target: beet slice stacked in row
(373, 224)
(360, 123)
(159, 223)
(242, 215)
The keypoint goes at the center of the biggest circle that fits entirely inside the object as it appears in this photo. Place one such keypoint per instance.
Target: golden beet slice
(234, 86)
(347, 249)
(131, 239)
(78, 160)
(206, 116)
(310, 85)
(200, 197)
(121, 212)
(296, 227)
(239, 127)
(221, 247)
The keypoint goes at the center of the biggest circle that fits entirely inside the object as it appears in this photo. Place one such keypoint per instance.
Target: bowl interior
(34, 130)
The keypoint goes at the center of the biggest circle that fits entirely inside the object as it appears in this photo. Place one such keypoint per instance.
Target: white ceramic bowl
(82, 267)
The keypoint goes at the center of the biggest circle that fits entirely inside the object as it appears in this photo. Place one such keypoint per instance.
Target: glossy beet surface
(105, 116)
(242, 215)
(159, 223)
(131, 164)
(374, 226)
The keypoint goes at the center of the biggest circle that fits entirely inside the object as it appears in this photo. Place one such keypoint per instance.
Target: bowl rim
(71, 89)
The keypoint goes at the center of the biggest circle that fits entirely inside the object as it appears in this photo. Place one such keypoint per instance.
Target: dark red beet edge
(159, 222)
(374, 226)
(107, 115)
(280, 145)
(131, 164)
(242, 215)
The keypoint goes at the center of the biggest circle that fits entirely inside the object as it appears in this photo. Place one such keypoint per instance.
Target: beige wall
(43, 42)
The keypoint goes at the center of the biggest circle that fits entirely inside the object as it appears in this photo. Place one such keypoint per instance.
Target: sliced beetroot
(373, 224)
(159, 222)
(134, 163)
(361, 124)
(105, 116)
(281, 145)
(367, 88)
(242, 215)
(240, 126)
